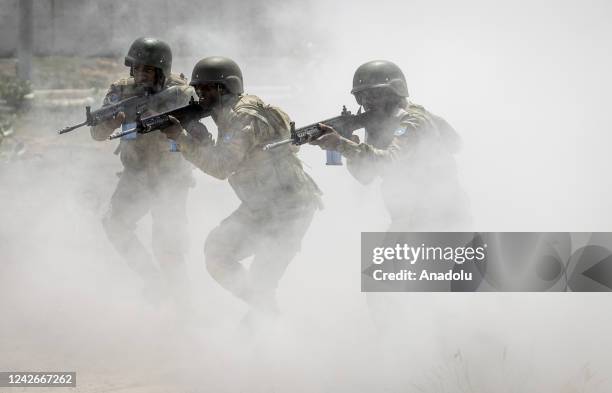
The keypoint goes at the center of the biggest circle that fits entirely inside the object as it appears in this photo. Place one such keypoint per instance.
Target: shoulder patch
(400, 131)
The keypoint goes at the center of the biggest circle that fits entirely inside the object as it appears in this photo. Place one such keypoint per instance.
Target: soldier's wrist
(348, 148)
(184, 139)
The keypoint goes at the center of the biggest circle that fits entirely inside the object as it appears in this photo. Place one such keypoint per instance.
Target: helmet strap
(393, 103)
(226, 97)
(160, 79)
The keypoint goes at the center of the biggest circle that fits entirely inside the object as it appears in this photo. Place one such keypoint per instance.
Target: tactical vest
(273, 178)
(150, 154)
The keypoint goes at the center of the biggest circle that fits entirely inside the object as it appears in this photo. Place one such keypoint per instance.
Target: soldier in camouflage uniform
(155, 179)
(278, 198)
(410, 148)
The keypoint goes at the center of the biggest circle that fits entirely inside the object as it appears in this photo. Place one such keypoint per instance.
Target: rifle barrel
(72, 128)
(277, 144)
(122, 133)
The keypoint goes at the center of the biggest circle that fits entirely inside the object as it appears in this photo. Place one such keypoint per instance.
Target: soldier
(278, 199)
(155, 179)
(409, 148)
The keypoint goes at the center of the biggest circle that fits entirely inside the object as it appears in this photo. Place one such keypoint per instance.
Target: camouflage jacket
(412, 150)
(261, 179)
(149, 153)
(410, 135)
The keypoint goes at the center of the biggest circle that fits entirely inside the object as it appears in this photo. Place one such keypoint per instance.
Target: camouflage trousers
(134, 197)
(272, 240)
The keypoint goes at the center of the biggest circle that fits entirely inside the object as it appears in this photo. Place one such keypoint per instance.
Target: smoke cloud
(525, 85)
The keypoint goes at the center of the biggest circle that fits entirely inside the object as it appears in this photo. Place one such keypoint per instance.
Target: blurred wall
(101, 28)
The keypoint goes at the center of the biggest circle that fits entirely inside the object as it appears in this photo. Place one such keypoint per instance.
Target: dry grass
(455, 376)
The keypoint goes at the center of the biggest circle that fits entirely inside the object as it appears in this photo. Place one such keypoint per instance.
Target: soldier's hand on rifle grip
(199, 132)
(329, 140)
(115, 123)
(174, 130)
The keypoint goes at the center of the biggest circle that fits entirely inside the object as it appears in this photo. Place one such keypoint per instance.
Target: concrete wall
(105, 27)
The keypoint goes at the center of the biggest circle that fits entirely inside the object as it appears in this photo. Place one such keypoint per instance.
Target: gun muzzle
(122, 133)
(72, 128)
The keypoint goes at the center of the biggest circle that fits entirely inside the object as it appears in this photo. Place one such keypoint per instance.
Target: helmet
(150, 52)
(380, 73)
(220, 70)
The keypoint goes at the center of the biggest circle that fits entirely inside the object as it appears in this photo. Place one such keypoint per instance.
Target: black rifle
(193, 111)
(132, 107)
(345, 124)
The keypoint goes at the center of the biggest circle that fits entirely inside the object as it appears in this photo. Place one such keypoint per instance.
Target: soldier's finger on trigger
(324, 127)
(174, 120)
(324, 141)
(316, 142)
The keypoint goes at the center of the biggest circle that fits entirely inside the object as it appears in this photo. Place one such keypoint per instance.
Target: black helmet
(150, 52)
(217, 69)
(380, 73)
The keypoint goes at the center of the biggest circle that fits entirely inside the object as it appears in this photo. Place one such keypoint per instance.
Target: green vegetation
(13, 91)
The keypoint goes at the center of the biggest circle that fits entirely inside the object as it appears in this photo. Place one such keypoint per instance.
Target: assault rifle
(193, 111)
(345, 124)
(132, 107)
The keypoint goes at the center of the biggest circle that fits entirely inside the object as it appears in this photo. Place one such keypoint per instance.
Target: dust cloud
(525, 85)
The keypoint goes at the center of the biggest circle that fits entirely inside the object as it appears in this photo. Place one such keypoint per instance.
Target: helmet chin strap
(225, 97)
(160, 78)
(393, 104)
(160, 81)
(387, 108)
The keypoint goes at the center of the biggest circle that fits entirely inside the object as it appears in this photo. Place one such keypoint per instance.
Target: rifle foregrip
(156, 123)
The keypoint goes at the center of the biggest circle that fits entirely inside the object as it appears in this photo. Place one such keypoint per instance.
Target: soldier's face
(375, 99)
(145, 75)
(209, 94)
